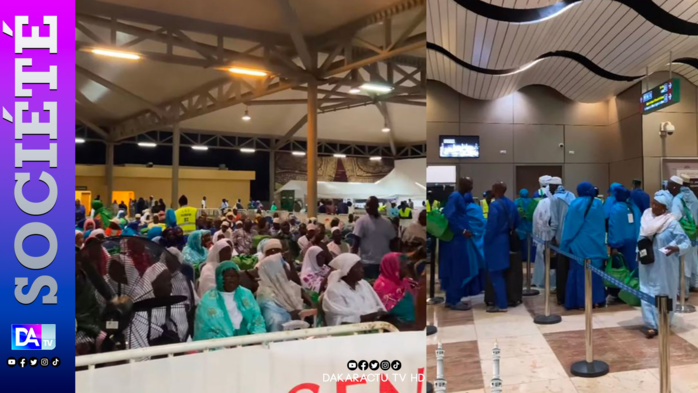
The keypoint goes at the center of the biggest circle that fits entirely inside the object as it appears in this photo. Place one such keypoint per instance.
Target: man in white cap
(543, 231)
(275, 226)
(685, 207)
(559, 203)
(303, 241)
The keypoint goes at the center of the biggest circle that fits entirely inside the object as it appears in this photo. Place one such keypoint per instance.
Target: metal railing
(133, 355)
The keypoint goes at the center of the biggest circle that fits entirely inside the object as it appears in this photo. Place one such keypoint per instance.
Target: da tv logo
(33, 337)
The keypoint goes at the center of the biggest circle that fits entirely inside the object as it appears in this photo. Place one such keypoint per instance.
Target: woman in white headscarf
(349, 298)
(669, 241)
(315, 271)
(221, 251)
(279, 298)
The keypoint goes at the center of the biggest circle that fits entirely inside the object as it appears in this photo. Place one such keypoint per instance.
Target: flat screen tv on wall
(457, 146)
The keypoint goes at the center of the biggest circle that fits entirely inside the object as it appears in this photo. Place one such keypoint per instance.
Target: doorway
(527, 176)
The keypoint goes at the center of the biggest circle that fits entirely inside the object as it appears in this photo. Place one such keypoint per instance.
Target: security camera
(666, 128)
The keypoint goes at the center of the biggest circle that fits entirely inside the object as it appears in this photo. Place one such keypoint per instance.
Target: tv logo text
(33, 337)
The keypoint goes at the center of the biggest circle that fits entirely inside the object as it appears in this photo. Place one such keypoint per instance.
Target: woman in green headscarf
(100, 211)
(229, 309)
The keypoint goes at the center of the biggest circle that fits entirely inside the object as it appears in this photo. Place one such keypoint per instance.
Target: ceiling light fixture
(385, 127)
(200, 147)
(146, 144)
(247, 150)
(377, 88)
(523, 68)
(298, 153)
(79, 140)
(246, 116)
(376, 158)
(421, 186)
(340, 155)
(354, 90)
(247, 71)
(551, 16)
(116, 53)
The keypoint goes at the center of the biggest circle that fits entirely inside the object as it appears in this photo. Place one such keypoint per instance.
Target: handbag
(687, 223)
(619, 270)
(645, 251)
(633, 282)
(437, 226)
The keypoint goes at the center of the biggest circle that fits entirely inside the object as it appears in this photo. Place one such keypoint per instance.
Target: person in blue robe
(662, 276)
(624, 227)
(525, 225)
(685, 205)
(584, 236)
(639, 197)
(610, 200)
(455, 266)
(474, 284)
(502, 217)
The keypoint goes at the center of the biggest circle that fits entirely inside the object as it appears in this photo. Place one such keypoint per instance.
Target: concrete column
(272, 172)
(175, 166)
(107, 199)
(311, 198)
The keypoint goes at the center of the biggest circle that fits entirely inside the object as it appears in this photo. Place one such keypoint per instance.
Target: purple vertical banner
(37, 188)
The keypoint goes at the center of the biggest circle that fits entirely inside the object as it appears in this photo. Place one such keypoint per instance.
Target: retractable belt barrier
(589, 367)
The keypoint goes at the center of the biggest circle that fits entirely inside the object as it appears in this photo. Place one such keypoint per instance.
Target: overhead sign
(662, 96)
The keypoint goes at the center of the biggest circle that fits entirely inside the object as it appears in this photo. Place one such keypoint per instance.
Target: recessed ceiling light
(79, 140)
(146, 144)
(247, 150)
(116, 53)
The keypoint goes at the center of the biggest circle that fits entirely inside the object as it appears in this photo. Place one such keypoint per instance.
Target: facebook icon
(33, 337)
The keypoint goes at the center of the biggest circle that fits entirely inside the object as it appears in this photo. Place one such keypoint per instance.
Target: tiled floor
(537, 358)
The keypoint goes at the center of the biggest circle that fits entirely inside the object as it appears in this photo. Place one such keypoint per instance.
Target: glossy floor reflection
(537, 358)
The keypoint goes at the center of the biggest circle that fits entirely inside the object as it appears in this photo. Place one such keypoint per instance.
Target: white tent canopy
(405, 181)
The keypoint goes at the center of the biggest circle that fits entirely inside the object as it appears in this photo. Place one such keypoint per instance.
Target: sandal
(648, 332)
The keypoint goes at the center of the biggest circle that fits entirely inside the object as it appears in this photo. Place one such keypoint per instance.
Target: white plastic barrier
(317, 365)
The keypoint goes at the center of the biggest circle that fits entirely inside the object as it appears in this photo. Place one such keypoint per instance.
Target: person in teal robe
(523, 202)
(624, 227)
(228, 310)
(584, 236)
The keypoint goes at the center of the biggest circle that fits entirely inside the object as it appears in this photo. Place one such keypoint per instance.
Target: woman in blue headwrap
(610, 200)
(668, 242)
(131, 229)
(195, 252)
(583, 236)
(154, 232)
(229, 309)
(170, 218)
(526, 224)
(624, 227)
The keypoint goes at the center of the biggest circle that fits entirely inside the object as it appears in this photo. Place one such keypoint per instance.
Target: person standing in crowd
(374, 237)
(273, 207)
(503, 218)
(624, 227)
(224, 206)
(461, 259)
(523, 202)
(669, 241)
(186, 216)
(685, 207)
(639, 197)
(610, 200)
(405, 212)
(123, 207)
(410, 203)
(203, 202)
(583, 236)
(79, 212)
(238, 204)
(542, 231)
(485, 202)
(242, 238)
(349, 298)
(132, 208)
(151, 202)
(559, 204)
(393, 211)
(114, 207)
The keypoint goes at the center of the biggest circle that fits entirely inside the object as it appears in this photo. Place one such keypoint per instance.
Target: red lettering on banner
(420, 377)
(306, 387)
(386, 386)
(342, 385)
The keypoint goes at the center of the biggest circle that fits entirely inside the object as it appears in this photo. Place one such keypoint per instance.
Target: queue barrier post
(433, 299)
(663, 309)
(589, 368)
(547, 318)
(682, 307)
(528, 291)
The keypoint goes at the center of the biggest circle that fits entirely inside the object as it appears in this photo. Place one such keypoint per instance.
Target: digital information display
(459, 146)
(668, 93)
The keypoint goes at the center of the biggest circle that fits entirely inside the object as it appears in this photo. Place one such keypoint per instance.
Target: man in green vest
(186, 216)
(405, 212)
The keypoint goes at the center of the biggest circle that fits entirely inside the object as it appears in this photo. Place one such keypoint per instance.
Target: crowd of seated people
(244, 273)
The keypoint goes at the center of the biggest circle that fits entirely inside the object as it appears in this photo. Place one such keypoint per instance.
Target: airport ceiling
(588, 50)
(185, 48)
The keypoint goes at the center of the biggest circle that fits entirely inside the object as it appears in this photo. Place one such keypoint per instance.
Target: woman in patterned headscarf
(229, 309)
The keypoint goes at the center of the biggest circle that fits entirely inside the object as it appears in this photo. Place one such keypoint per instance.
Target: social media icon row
(374, 365)
(33, 362)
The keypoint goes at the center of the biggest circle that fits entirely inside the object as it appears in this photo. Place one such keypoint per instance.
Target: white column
(175, 166)
(109, 172)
